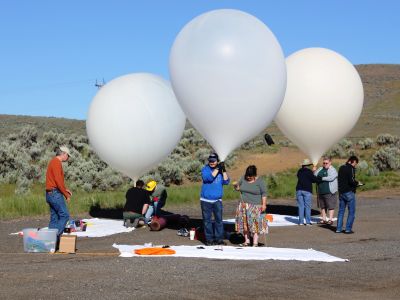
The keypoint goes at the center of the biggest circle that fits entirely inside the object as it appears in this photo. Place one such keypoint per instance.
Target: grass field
(280, 185)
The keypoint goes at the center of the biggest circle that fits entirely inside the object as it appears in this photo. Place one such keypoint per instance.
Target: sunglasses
(325, 163)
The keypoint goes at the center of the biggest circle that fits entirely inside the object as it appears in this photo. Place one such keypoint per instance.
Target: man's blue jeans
(346, 199)
(207, 209)
(304, 202)
(154, 209)
(59, 214)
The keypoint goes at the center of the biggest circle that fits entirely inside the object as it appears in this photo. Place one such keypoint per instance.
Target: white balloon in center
(228, 72)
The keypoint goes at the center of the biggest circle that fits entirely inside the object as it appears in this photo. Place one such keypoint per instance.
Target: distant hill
(12, 124)
(381, 113)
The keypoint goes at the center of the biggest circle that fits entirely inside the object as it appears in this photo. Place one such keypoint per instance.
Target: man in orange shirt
(56, 190)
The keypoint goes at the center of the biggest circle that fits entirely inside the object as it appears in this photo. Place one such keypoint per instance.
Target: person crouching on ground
(327, 187)
(214, 178)
(305, 179)
(158, 198)
(56, 190)
(137, 203)
(253, 202)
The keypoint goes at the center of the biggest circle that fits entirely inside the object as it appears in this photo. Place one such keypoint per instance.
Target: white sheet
(103, 227)
(281, 220)
(98, 228)
(238, 253)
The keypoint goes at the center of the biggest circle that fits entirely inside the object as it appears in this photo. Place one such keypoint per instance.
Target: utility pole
(99, 85)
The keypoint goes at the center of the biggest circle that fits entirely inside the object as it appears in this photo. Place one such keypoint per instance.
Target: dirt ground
(268, 163)
(96, 271)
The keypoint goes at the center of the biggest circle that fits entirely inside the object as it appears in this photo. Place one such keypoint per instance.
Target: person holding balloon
(253, 202)
(305, 179)
(214, 177)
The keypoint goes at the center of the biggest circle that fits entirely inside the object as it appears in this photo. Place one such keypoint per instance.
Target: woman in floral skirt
(249, 214)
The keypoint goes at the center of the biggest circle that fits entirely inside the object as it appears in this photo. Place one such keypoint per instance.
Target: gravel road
(96, 271)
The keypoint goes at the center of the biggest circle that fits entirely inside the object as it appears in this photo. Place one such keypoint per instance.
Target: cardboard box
(67, 243)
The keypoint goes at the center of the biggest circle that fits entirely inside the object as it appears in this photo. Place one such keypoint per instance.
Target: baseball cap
(213, 157)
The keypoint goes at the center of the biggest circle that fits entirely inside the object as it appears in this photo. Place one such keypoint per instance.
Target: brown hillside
(381, 113)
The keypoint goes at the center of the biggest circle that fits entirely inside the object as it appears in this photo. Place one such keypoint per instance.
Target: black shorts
(327, 201)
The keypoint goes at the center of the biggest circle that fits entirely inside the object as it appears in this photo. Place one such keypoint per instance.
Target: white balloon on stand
(228, 72)
(134, 122)
(323, 101)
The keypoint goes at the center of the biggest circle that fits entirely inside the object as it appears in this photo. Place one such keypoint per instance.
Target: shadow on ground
(286, 210)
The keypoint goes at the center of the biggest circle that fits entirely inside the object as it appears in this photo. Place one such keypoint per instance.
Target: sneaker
(308, 224)
(183, 232)
(209, 243)
(349, 232)
(220, 242)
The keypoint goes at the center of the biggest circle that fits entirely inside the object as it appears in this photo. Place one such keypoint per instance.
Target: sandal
(246, 244)
(330, 222)
(322, 222)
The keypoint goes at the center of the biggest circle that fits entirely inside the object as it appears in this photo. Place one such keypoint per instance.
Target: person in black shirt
(347, 197)
(137, 203)
(305, 179)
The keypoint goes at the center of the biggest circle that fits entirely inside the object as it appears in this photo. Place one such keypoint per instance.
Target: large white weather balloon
(323, 101)
(228, 72)
(134, 122)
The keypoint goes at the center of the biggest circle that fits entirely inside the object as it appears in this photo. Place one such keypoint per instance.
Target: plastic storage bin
(40, 240)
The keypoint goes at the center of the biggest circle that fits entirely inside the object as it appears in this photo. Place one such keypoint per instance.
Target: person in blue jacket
(214, 177)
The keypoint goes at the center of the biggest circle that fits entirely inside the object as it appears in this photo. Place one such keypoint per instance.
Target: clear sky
(51, 52)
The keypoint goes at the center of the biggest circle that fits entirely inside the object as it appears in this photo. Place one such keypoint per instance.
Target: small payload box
(67, 243)
(40, 240)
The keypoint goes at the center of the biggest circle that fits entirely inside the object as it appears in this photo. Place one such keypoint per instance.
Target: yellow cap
(151, 185)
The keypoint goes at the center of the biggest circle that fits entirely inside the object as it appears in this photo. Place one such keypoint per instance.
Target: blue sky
(51, 52)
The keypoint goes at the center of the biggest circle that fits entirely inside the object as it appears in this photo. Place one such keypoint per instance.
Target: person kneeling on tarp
(137, 203)
(158, 198)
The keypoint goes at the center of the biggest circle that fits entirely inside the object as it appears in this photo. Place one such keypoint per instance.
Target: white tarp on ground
(237, 253)
(98, 228)
(103, 227)
(281, 220)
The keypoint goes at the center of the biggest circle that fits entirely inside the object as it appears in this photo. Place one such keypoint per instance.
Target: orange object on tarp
(154, 251)
(269, 217)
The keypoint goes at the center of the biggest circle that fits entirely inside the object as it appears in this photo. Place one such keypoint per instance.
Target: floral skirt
(250, 219)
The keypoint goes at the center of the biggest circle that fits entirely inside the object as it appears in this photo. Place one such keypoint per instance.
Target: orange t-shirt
(55, 177)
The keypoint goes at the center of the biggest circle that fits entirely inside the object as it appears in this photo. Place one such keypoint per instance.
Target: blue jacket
(212, 186)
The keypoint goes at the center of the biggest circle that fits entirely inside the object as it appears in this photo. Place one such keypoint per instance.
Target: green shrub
(373, 171)
(363, 165)
(387, 158)
(365, 144)
(386, 139)
(345, 144)
(336, 151)
(193, 170)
